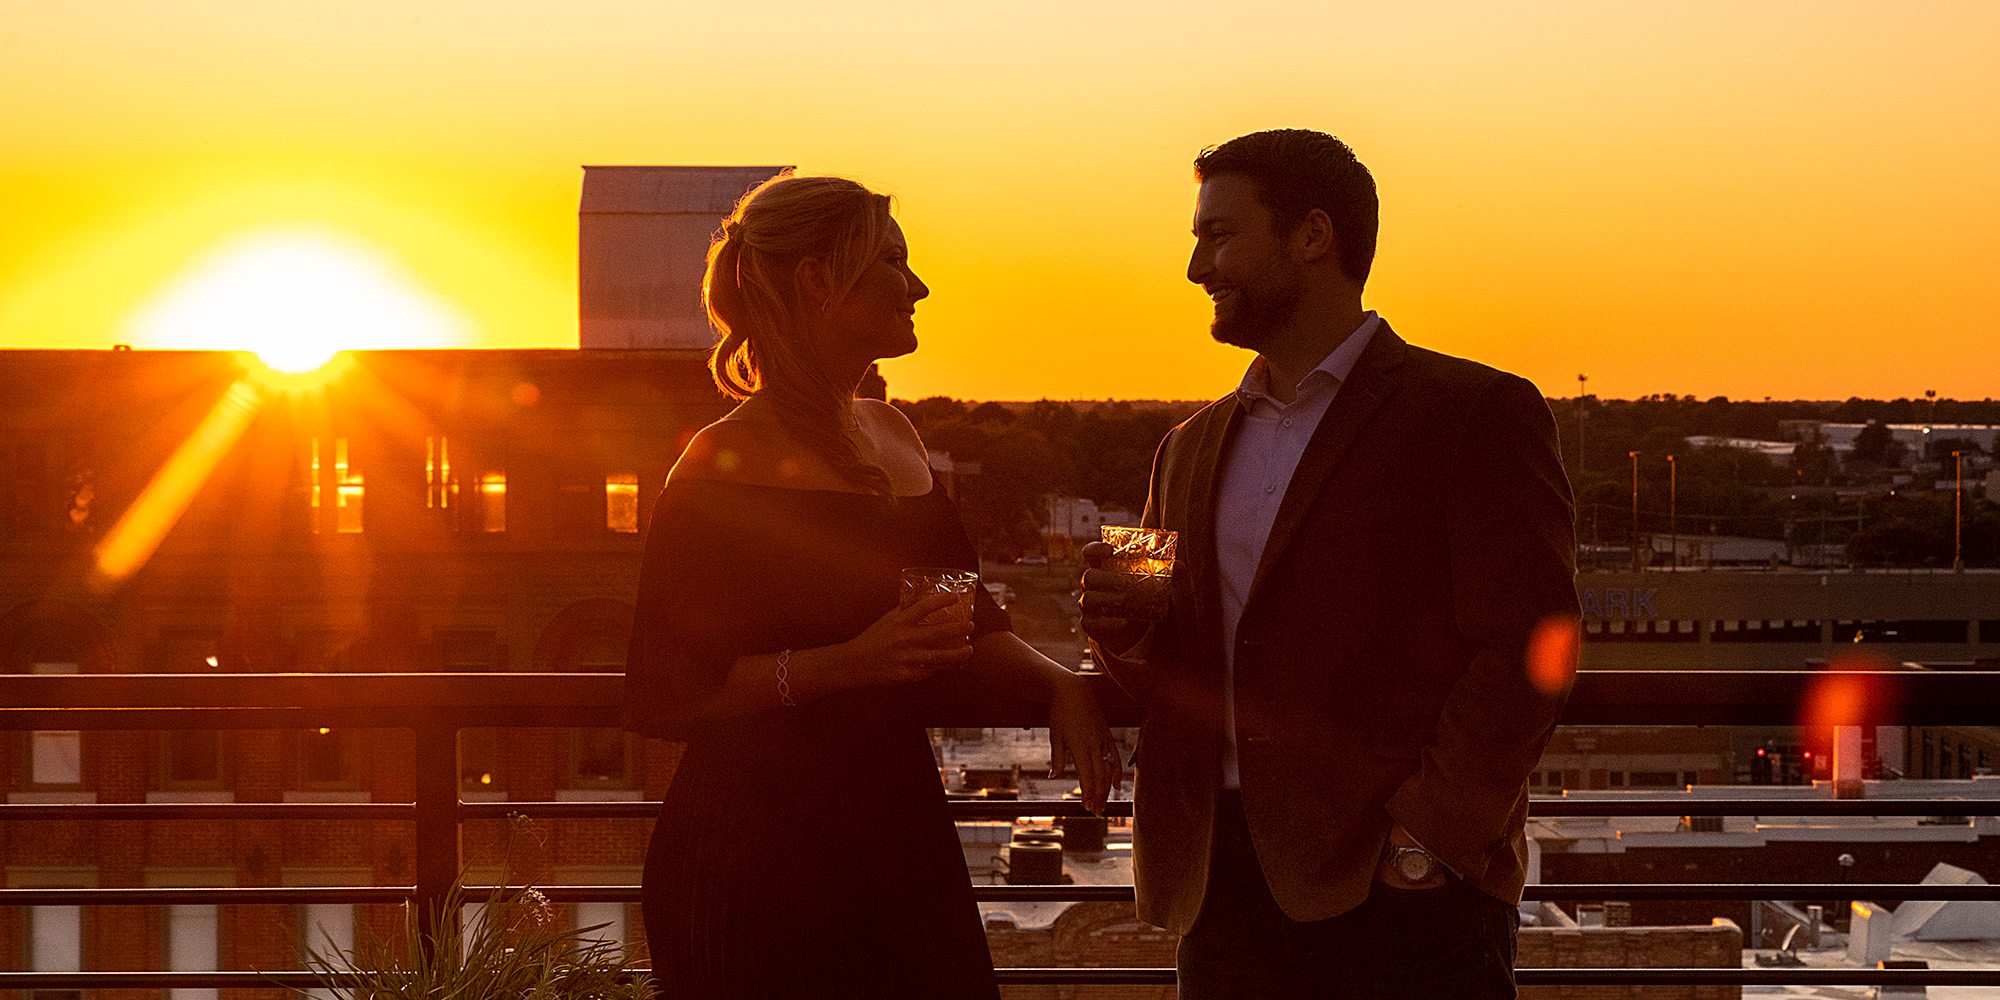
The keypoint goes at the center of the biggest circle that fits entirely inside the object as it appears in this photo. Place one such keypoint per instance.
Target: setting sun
(295, 298)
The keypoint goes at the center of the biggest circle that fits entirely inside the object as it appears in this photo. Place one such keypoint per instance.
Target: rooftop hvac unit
(1034, 863)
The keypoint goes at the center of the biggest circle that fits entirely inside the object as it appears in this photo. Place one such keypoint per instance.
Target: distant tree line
(1104, 451)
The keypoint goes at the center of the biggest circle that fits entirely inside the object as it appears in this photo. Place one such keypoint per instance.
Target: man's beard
(1256, 317)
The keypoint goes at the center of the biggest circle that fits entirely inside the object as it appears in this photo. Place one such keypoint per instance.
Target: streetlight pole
(1636, 564)
(1581, 396)
(1582, 379)
(1673, 511)
(1958, 511)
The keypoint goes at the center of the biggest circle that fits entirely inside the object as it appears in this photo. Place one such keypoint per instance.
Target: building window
(440, 488)
(1654, 779)
(349, 491)
(28, 504)
(493, 501)
(326, 928)
(190, 759)
(327, 759)
(192, 946)
(55, 939)
(599, 758)
(479, 760)
(331, 467)
(621, 502)
(602, 922)
(471, 922)
(55, 757)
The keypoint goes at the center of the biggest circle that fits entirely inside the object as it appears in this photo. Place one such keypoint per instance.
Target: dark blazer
(1381, 659)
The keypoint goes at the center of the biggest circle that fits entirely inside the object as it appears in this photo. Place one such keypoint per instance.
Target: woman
(804, 849)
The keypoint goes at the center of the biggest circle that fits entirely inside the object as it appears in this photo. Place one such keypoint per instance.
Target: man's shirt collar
(1332, 371)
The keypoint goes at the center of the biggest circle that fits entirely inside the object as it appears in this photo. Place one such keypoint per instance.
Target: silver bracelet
(784, 680)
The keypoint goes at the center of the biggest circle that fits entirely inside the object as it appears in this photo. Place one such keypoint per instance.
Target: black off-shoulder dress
(801, 852)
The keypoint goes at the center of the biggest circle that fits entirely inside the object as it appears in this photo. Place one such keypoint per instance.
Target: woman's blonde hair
(752, 295)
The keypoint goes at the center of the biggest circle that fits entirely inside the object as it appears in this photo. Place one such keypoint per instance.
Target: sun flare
(295, 298)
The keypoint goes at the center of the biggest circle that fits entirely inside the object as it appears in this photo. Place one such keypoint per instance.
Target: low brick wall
(1107, 934)
(1719, 945)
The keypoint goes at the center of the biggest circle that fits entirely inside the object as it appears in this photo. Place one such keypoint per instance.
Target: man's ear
(1313, 237)
(814, 282)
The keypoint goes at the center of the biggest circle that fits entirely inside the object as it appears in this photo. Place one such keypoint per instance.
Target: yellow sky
(1793, 199)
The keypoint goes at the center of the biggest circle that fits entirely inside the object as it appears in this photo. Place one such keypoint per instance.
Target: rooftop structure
(642, 245)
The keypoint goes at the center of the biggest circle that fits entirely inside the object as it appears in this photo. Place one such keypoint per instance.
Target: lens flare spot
(1848, 692)
(526, 394)
(1552, 652)
(132, 541)
(727, 460)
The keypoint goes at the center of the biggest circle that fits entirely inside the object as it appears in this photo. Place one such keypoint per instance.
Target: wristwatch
(1414, 864)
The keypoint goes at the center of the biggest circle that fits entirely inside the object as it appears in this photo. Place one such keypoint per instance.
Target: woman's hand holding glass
(900, 647)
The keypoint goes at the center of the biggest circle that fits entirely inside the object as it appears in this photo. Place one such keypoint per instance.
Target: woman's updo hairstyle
(752, 295)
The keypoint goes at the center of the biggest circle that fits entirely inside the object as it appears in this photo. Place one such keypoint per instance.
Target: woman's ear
(814, 282)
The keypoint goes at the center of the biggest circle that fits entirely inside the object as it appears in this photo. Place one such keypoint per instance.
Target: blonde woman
(804, 849)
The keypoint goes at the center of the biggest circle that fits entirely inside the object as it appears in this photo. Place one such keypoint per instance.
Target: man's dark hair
(1297, 170)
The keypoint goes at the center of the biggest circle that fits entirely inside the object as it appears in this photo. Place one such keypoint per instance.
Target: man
(1340, 709)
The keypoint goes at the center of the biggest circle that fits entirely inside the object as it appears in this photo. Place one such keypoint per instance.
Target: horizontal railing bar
(1875, 891)
(1776, 807)
(1548, 806)
(626, 809)
(208, 895)
(384, 700)
(1541, 806)
(560, 893)
(1035, 975)
(1757, 977)
(1052, 893)
(288, 979)
(961, 809)
(1044, 976)
(1024, 976)
(1565, 892)
(1584, 891)
(378, 811)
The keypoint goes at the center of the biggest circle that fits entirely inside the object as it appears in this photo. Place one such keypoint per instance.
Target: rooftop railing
(435, 707)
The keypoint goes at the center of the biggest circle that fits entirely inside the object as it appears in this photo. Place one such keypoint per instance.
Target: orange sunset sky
(1792, 199)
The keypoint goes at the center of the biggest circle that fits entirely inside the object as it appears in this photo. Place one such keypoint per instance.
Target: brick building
(416, 511)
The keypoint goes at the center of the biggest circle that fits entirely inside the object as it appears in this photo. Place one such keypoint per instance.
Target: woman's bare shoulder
(889, 419)
(730, 450)
(898, 447)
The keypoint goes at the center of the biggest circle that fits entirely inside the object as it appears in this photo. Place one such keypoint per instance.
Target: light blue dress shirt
(1256, 470)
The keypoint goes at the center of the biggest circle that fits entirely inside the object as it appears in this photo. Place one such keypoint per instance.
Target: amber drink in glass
(1147, 554)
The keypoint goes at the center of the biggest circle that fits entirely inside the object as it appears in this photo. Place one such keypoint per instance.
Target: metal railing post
(437, 828)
